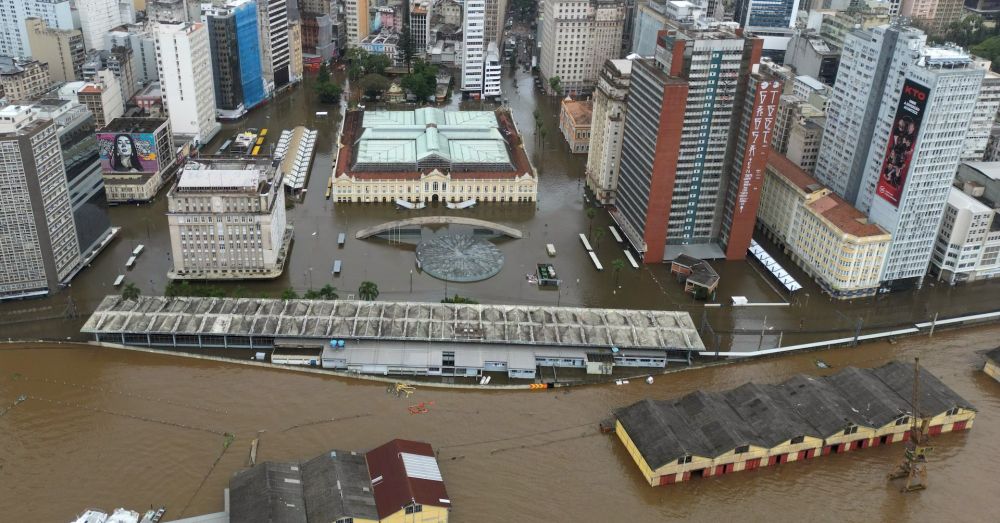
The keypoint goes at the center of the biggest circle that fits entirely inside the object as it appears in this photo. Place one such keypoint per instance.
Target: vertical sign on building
(902, 142)
(751, 174)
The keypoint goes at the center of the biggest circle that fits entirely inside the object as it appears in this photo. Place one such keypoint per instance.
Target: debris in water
(822, 364)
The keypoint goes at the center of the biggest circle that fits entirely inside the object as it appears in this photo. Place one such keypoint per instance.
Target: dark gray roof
(336, 485)
(994, 355)
(710, 424)
(935, 397)
(267, 493)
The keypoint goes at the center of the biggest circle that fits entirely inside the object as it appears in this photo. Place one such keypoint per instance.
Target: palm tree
(130, 292)
(289, 294)
(617, 265)
(328, 292)
(591, 213)
(368, 291)
(598, 235)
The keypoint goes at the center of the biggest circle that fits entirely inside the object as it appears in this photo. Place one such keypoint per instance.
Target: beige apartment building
(606, 129)
(62, 49)
(574, 122)
(824, 235)
(23, 79)
(578, 36)
(227, 220)
(103, 97)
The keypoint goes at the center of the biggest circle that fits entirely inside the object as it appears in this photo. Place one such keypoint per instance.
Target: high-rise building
(358, 21)
(295, 66)
(935, 15)
(984, 117)
(772, 20)
(896, 127)
(97, 18)
(103, 97)
(473, 45)
(236, 58)
(606, 129)
(167, 11)
(119, 60)
(420, 28)
(186, 80)
(968, 242)
(38, 248)
(578, 36)
(23, 79)
(57, 14)
(492, 71)
(272, 16)
(141, 39)
(227, 220)
(62, 49)
(81, 160)
(677, 165)
(496, 12)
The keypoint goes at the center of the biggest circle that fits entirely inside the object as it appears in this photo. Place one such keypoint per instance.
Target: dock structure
(713, 433)
(405, 337)
(992, 367)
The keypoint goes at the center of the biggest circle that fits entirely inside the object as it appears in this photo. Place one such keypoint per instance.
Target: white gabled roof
(421, 467)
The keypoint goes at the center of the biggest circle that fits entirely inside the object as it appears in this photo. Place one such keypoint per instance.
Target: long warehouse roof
(512, 324)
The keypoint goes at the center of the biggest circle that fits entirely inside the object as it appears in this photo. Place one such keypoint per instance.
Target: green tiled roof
(462, 137)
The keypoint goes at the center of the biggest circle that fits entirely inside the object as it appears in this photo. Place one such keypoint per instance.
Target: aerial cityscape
(499, 260)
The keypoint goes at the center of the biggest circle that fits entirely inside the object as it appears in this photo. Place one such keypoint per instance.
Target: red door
(873, 442)
(827, 449)
(667, 479)
(959, 425)
(810, 453)
(720, 470)
(752, 464)
(935, 430)
(687, 476)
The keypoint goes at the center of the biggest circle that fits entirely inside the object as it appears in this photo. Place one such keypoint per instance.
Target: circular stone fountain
(459, 258)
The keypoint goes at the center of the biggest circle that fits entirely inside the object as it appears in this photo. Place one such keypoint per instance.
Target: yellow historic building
(825, 236)
(992, 367)
(432, 187)
(709, 434)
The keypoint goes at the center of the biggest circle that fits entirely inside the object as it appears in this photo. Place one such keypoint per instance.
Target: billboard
(128, 152)
(902, 142)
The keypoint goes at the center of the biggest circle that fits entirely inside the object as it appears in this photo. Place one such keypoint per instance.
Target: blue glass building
(766, 13)
(236, 57)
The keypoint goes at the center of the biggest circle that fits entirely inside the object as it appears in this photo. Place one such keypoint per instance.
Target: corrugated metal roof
(421, 467)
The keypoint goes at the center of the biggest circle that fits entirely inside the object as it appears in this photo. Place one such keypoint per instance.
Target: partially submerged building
(700, 279)
(433, 339)
(430, 155)
(394, 482)
(713, 433)
(992, 367)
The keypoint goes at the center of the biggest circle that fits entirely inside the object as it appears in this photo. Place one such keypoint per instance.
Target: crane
(913, 466)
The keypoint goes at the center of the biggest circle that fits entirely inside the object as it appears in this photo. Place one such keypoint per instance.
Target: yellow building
(992, 367)
(709, 434)
(574, 122)
(823, 234)
(432, 155)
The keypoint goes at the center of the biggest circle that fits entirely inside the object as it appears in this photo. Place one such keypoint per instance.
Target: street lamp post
(411, 281)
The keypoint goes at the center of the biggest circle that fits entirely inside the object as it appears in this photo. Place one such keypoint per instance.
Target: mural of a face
(124, 145)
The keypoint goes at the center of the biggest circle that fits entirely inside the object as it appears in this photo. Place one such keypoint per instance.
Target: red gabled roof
(397, 489)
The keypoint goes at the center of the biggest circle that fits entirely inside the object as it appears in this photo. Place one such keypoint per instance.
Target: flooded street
(105, 427)
(558, 218)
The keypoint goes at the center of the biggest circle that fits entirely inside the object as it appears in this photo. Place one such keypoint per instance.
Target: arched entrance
(435, 198)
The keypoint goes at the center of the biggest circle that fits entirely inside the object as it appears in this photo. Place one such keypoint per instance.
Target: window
(344, 520)
(952, 412)
(743, 449)
(798, 439)
(683, 460)
(850, 430)
(414, 508)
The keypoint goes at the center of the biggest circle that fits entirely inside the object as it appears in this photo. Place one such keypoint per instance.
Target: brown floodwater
(107, 428)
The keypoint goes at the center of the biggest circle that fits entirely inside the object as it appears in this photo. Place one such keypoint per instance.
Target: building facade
(185, 71)
(39, 247)
(227, 220)
(823, 234)
(62, 49)
(275, 46)
(358, 21)
(676, 165)
(57, 14)
(97, 18)
(431, 155)
(606, 130)
(968, 241)
(578, 36)
(236, 58)
(141, 39)
(103, 97)
(138, 156)
(23, 79)
(809, 54)
(473, 45)
(983, 118)
(492, 69)
(575, 124)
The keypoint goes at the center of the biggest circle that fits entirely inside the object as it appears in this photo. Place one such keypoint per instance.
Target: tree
(329, 92)
(368, 291)
(130, 292)
(289, 294)
(598, 236)
(617, 265)
(373, 85)
(459, 299)
(422, 81)
(323, 75)
(328, 292)
(405, 43)
(311, 294)
(591, 213)
(990, 50)
(556, 84)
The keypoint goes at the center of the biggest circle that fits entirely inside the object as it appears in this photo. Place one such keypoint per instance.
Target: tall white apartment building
(141, 39)
(968, 243)
(186, 80)
(909, 107)
(984, 116)
(275, 51)
(227, 220)
(606, 129)
(58, 14)
(39, 250)
(473, 45)
(358, 20)
(578, 36)
(492, 71)
(97, 18)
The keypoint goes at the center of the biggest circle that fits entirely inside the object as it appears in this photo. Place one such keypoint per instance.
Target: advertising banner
(902, 141)
(127, 152)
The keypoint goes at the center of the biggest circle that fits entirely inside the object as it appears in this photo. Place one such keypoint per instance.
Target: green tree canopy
(422, 81)
(373, 85)
(289, 294)
(368, 291)
(130, 292)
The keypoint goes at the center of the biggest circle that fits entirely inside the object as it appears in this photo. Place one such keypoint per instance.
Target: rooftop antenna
(913, 467)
